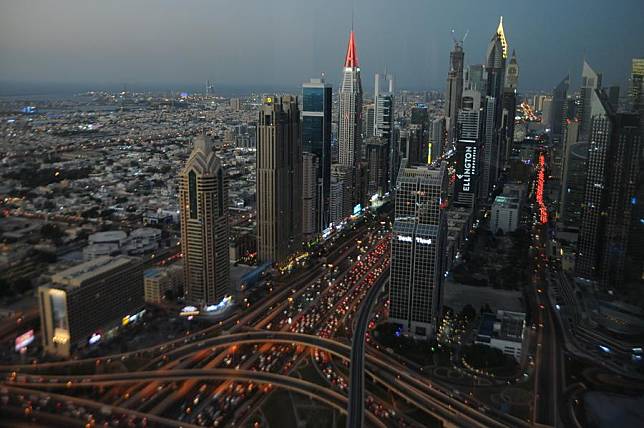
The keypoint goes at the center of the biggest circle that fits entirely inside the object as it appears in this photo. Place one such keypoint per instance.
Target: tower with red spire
(350, 125)
(350, 121)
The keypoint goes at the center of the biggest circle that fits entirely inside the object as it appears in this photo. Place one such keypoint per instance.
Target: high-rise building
(590, 81)
(279, 179)
(454, 91)
(573, 184)
(316, 149)
(416, 147)
(350, 108)
(509, 104)
(636, 90)
(493, 129)
(558, 108)
(384, 121)
(468, 150)
(369, 120)
(437, 139)
(609, 197)
(512, 73)
(343, 178)
(417, 247)
(378, 164)
(203, 202)
(87, 299)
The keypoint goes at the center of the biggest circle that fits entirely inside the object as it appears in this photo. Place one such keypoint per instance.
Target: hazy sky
(284, 42)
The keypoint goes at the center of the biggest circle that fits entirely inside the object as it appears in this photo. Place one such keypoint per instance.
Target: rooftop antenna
(352, 10)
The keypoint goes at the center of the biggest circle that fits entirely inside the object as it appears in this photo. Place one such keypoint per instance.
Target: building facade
(203, 203)
(316, 148)
(279, 179)
(417, 248)
(88, 299)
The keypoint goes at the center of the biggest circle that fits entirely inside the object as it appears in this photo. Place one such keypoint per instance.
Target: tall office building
(558, 108)
(378, 165)
(350, 108)
(279, 179)
(384, 121)
(490, 148)
(509, 105)
(468, 150)
(573, 185)
(590, 81)
(369, 120)
(636, 90)
(493, 110)
(417, 248)
(203, 202)
(343, 192)
(609, 201)
(316, 148)
(416, 145)
(454, 91)
(437, 139)
(88, 299)
(512, 73)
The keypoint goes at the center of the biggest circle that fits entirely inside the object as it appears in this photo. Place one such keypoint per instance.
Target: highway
(355, 417)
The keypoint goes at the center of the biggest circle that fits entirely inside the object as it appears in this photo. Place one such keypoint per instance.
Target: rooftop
(77, 275)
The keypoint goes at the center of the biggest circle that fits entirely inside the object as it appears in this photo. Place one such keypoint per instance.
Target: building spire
(351, 60)
(501, 34)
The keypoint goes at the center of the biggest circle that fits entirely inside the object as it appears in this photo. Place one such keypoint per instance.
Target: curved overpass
(430, 398)
(312, 390)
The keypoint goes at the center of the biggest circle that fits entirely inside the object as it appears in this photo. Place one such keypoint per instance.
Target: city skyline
(158, 50)
(337, 256)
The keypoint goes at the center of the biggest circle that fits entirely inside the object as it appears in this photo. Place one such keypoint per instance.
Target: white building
(503, 331)
(505, 214)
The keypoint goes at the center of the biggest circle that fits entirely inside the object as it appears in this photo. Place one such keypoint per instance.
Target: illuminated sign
(541, 179)
(405, 238)
(357, 209)
(423, 240)
(125, 320)
(189, 311)
(94, 338)
(24, 340)
(429, 153)
(225, 302)
(470, 153)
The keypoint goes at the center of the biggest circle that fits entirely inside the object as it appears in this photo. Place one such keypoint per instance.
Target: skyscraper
(384, 123)
(316, 148)
(203, 202)
(454, 91)
(573, 179)
(417, 247)
(636, 90)
(558, 108)
(350, 109)
(378, 164)
(493, 109)
(590, 81)
(468, 150)
(279, 179)
(437, 138)
(609, 197)
(416, 147)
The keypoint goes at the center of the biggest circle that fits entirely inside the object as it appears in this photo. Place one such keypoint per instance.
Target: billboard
(467, 165)
(24, 340)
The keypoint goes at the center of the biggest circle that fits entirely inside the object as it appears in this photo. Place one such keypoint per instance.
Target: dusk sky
(285, 42)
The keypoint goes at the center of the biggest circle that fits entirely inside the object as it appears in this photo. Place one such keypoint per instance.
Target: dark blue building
(316, 149)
